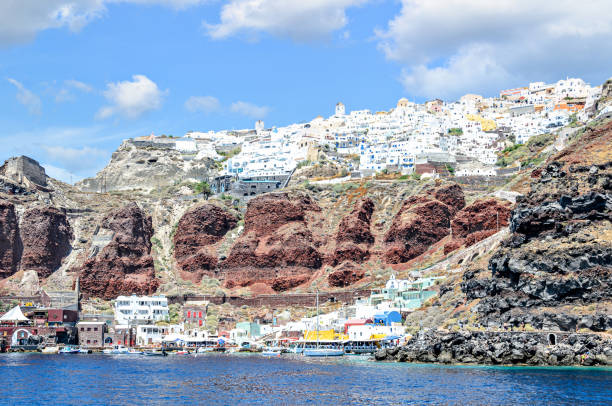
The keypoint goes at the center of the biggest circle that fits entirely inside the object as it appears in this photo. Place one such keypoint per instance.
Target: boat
(203, 350)
(323, 352)
(50, 350)
(155, 353)
(271, 352)
(84, 351)
(318, 351)
(69, 350)
(117, 349)
(134, 352)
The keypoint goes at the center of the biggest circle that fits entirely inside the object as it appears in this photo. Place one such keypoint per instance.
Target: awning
(15, 314)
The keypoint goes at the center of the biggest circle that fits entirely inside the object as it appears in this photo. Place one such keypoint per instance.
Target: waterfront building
(91, 333)
(154, 335)
(141, 309)
(195, 315)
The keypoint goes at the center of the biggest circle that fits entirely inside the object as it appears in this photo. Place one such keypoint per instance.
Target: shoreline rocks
(503, 348)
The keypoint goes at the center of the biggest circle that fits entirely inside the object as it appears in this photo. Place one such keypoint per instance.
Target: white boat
(323, 352)
(117, 349)
(318, 351)
(50, 350)
(69, 350)
(271, 353)
(84, 351)
(203, 350)
(135, 352)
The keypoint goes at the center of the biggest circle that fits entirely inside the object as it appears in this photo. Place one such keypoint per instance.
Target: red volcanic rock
(197, 232)
(289, 282)
(354, 237)
(10, 241)
(125, 265)
(356, 226)
(478, 221)
(47, 236)
(345, 276)
(452, 195)
(422, 221)
(276, 242)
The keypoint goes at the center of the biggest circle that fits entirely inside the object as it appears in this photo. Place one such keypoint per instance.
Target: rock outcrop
(47, 237)
(10, 240)
(345, 275)
(199, 229)
(276, 247)
(478, 221)
(125, 265)
(503, 348)
(354, 237)
(423, 220)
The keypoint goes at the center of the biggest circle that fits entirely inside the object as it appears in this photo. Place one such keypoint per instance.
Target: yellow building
(324, 335)
(485, 123)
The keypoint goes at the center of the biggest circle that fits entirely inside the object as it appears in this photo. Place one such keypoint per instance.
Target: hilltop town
(486, 215)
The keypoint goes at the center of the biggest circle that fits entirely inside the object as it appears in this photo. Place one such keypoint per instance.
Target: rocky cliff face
(478, 221)
(555, 270)
(276, 247)
(125, 265)
(199, 229)
(146, 167)
(10, 241)
(354, 237)
(423, 220)
(47, 238)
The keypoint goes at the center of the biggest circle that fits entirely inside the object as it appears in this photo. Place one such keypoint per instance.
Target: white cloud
(203, 104)
(26, 97)
(20, 20)
(502, 43)
(61, 173)
(75, 159)
(131, 99)
(66, 92)
(300, 20)
(249, 109)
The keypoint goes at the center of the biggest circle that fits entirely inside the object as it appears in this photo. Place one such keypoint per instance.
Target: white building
(153, 335)
(134, 309)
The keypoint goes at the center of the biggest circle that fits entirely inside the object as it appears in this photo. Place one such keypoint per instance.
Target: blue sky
(78, 76)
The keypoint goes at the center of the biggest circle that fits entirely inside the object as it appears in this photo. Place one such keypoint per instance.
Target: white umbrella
(15, 314)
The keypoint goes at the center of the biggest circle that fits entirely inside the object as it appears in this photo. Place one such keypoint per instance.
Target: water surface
(253, 379)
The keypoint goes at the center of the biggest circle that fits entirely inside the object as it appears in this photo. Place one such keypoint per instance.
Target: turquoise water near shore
(253, 379)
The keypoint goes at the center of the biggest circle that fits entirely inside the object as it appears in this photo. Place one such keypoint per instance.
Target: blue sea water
(211, 379)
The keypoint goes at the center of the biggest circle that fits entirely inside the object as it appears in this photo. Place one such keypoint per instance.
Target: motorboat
(117, 349)
(50, 350)
(69, 350)
(155, 353)
(135, 352)
(271, 353)
(84, 351)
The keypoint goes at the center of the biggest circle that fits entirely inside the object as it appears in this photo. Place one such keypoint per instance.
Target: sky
(79, 76)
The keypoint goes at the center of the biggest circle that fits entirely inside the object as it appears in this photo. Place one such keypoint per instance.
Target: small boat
(323, 352)
(50, 350)
(84, 351)
(135, 352)
(117, 349)
(181, 352)
(69, 350)
(271, 353)
(155, 353)
(203, 350)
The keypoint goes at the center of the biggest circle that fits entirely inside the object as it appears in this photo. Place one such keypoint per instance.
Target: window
(188, 314)
(95, 328)
(88, 342)
(82, 329)
(88, 328)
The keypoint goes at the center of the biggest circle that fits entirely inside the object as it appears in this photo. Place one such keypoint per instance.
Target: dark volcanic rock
(47, 238)
(10, 240)
(198, 230)
(346, 275)
(125, 265)
(505, 348)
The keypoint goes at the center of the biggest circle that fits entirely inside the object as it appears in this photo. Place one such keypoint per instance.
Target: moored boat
(117, 349)
(69, 350)
(50, 350)
(323, 352)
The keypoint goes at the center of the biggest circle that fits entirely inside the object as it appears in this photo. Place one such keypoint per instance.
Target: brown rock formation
(346, 275)
(198, 230)
(47, 236)
(354, 237)
(125, 265)
(276, 243)
(478, 221)
(422, 221)
(10, 241)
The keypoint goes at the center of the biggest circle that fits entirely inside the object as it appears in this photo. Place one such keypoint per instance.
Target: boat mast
(317, 318)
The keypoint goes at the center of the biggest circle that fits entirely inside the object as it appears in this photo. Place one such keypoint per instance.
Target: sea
(220, 379)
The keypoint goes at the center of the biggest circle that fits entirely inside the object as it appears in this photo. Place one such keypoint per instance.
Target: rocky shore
(503, 348)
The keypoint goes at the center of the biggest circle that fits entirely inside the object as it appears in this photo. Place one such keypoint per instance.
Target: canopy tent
(15, 314)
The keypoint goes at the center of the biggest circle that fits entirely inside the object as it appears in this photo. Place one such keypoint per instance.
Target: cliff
(125, 265)
(11, 246)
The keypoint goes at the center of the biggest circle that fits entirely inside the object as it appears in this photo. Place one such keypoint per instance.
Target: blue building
(387, 318)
